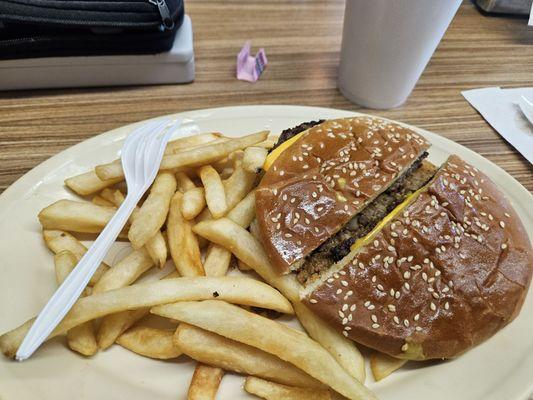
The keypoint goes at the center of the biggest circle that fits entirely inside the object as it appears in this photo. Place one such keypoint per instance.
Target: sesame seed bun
(325, 178)
(446, 273)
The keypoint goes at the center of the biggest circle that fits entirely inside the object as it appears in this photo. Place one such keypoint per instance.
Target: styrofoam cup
(386, 44)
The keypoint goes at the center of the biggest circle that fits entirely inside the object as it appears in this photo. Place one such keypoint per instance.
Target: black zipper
(166, 18)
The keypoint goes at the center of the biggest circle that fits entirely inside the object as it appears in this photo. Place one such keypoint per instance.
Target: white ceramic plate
(501, 368)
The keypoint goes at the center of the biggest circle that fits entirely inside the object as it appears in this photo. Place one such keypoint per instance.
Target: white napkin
(499, 107)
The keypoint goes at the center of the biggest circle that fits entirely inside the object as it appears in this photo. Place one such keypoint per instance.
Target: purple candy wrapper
(249, 68)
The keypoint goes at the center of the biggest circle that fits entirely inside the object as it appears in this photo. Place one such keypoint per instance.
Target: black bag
(49, 28)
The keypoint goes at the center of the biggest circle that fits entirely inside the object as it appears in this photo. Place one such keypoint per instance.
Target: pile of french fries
(199, 213)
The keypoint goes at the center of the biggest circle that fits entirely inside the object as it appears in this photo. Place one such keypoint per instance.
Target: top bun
(443, 275)
(327, 177)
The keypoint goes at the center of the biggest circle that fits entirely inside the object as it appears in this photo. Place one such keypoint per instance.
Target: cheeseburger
(414, 260)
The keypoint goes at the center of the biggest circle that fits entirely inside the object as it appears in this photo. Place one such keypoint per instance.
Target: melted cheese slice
(280, 149)
(388, 218)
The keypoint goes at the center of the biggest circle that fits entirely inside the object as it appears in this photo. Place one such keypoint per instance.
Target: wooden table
(302, 41)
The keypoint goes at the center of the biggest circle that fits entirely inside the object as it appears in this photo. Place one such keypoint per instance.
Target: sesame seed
(344, 283)
(417, 317)
(341, 314)
(371, 307)
(376, 243)
(339, 291)
(396, 320)
(507, 215)
(406, 275)
(397, 295)
(418, 329)
(392, 291)
(405, 347)
(374, 318)
(446, 305)
(407, 286)
(391, 307)
(344, 321)
(313, 301)
(380, 287)
(375, 326)
(502, 224)
(353, 307)
(406, 322)
(503, 246)
(433, 306)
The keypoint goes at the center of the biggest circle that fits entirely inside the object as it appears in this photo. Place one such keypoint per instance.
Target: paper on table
(499, 107)
(250, 68)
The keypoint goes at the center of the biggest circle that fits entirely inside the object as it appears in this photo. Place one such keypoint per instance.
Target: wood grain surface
(302, 41)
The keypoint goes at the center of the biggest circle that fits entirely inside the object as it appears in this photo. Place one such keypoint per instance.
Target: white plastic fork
(141, 156)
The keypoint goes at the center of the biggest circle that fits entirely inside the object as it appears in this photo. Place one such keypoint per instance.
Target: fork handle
(70, 290)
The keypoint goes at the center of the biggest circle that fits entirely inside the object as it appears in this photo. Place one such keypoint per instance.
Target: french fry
(212, 349)
(191, 141)
(270, 142)
(274, 391)
(76, 216)
(210, 152)
(246, 248)
(254, 159)
(100, 201)
(244, 212)
(243, 266)
(194, 157)
(382, 365)
(88, 183)
(157, 249)
(114, 168)
(184, 182)
(342, 349)
(58, 241)
(255, 231)
(238, 185)
(215, 195)
(125, 272)
(204, 383)
(239, 290)
(112, 326)
(81, 338)
(193, 203)
(154, 210)
(150, 342)
(217, 260)
(156, 246)
(182, 241)
(280, 340)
